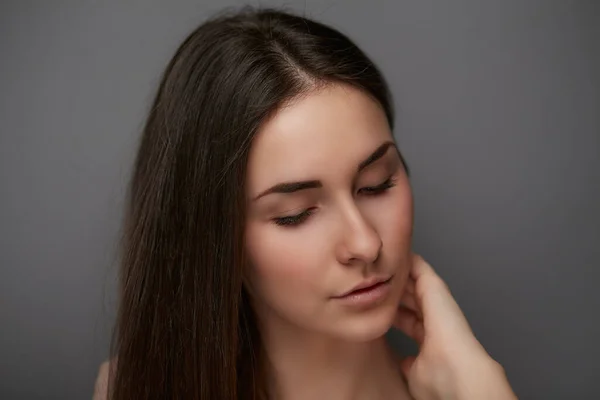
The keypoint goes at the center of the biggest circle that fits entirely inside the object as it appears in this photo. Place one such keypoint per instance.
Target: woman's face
(329, 208)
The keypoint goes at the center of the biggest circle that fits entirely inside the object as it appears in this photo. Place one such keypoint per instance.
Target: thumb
(406, 365)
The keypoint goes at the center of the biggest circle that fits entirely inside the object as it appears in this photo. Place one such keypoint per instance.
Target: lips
(366, 285)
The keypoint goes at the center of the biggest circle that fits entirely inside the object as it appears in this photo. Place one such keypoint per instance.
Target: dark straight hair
(185, 328)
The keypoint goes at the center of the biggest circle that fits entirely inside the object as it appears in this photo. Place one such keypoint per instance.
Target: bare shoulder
(101, 385)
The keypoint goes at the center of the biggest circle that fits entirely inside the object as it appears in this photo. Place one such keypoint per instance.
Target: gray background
(499, 117)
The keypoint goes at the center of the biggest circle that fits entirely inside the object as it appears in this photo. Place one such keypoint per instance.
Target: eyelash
(294, 220)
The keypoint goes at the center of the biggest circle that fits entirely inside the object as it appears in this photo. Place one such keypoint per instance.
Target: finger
(429, 286)
(420, 268)
(406, 365)
(407, 322)
(441, 313)
(409, 301)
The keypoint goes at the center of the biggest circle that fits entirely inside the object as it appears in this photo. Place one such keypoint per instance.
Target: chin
(367, 326)
(366, 331)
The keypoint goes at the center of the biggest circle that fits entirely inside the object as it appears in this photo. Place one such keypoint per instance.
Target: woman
(267, 243)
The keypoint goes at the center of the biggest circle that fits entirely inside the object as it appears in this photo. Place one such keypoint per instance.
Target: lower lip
(367, 297)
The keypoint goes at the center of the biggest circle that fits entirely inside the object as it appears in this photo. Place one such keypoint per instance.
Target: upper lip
(367, 283)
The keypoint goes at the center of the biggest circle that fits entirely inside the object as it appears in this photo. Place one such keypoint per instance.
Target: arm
(100, 388)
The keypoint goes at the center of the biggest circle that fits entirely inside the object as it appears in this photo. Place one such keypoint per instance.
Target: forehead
(329, 130)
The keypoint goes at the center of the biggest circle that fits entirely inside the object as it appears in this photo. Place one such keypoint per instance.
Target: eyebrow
(292, 187)
(376, 155)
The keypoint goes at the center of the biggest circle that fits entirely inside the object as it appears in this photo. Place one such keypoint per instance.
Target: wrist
(485, 379)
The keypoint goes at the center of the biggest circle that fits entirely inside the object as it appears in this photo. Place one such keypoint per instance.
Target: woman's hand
(451, 363)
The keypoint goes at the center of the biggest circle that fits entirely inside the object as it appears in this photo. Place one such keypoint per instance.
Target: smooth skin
(451, 364)
(356, 223)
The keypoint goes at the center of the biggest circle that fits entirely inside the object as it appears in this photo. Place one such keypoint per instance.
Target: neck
(305, 365)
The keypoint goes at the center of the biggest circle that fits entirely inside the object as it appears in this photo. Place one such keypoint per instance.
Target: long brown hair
(185, 328)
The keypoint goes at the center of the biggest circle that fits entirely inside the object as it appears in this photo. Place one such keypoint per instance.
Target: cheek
(281, 269)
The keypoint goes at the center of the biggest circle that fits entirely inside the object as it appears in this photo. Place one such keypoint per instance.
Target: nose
(360, 242)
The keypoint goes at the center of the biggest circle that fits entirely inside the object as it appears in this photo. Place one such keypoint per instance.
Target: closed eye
(292, 220)
(379, 189)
